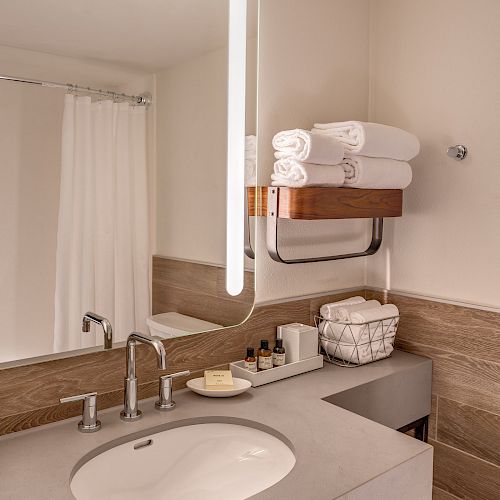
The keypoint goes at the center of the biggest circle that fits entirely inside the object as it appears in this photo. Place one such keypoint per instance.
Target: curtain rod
(141, 100)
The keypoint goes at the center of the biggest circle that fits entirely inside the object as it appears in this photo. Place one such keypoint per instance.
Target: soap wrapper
(218, 379)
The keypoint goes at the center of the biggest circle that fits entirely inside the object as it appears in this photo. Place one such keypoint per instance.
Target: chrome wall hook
(458, 152)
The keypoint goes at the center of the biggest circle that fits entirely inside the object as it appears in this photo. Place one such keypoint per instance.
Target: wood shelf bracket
(272, 235)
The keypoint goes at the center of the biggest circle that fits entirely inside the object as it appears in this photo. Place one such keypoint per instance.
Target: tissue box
(300, 341)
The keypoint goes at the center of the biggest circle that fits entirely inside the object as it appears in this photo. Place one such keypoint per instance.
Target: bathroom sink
(193, 462)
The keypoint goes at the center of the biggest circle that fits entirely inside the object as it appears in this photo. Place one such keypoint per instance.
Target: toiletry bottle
(265, 356)
(279, 353)
(251, 360)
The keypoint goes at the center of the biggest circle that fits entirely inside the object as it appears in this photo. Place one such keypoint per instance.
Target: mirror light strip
(235, 199)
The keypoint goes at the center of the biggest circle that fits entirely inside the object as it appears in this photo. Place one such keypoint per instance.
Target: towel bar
(272, 235)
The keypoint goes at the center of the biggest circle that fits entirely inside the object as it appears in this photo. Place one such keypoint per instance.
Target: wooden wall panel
(464, 344)
(199, 290)
(470, 429)
(463, 475)
(29, 395)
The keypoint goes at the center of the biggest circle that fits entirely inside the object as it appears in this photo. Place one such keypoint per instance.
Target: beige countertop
(337, 451)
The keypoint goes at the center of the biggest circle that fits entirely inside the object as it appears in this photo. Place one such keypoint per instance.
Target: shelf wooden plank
(316, 203)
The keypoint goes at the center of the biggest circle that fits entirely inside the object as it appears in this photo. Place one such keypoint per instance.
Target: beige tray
(278, 373)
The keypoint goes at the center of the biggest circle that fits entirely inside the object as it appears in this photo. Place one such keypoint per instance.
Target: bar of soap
(218, 379)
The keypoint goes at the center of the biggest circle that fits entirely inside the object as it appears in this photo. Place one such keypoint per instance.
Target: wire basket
(356, 344)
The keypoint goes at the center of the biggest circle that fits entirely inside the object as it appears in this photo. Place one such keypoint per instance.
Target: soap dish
(198, 385)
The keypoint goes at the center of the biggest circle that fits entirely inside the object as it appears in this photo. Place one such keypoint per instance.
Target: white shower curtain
(103, 255)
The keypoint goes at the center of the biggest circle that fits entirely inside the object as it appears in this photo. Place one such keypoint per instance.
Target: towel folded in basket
(376, 173)
(361, 354)
(304, 146)
(344, 312)
(358, 333)
(326, 310)
(371, 139)
(293, 173)
(376, 314)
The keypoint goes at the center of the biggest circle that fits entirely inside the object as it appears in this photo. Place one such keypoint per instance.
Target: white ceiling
(149, 35)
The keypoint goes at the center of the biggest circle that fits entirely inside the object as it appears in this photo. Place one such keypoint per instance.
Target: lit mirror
(114, 146)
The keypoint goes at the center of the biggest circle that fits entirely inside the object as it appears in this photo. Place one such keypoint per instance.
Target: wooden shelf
(315, 203)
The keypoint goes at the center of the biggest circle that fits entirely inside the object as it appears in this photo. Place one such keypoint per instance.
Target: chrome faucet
(100, 320)
(130, 410)
(89, 422)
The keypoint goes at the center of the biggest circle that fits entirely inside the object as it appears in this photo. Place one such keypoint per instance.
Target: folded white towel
(250, 160)
(372, 139)
(376, 173)
(250, 147)
(375, 314)
(344, 313)
(325, 310)
(306, 147)
(360, 354)
(292, 173)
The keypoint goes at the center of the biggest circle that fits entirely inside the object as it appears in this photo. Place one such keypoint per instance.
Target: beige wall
(30, 142)
(313, 66)
(191, 107)
(435, 71)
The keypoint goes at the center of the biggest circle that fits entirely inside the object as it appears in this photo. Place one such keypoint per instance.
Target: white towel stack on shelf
(350, 154)
(376, 155)
(306, 159)
(358, 331)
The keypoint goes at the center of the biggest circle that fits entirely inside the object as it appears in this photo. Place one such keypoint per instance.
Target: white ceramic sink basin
(195, 462)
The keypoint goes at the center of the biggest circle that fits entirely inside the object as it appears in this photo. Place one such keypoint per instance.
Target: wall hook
(458, 152)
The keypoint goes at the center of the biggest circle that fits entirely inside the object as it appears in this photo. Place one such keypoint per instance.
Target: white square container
(300, 341)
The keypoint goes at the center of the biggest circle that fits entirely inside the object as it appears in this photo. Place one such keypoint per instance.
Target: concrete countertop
(336, 450)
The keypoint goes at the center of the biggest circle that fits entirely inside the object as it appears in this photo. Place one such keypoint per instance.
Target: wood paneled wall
(29, 395)
(199, 290)
(464, 344)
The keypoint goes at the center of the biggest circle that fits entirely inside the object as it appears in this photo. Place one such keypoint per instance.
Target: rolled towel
(358, 334)
(292, 173)
(306, 147)
(376, 173)
(359, 355)
(371, 139)
(326, 309)
(344, 313)
(375, 314)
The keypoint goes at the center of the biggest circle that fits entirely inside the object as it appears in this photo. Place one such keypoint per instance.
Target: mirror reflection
(113, 136)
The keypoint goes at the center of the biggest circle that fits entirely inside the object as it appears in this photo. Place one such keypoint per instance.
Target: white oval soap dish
(239, 385)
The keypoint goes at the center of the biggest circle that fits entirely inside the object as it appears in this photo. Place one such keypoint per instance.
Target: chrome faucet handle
(165, 401)
(89, 422)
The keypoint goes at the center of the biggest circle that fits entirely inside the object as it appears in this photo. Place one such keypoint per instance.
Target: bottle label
(278, 359)
(251, 366)
(265, 362)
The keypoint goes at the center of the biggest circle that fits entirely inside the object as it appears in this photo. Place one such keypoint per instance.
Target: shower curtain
(103, 254)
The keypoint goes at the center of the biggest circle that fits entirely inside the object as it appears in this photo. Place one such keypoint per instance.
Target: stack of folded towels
(351, 154)
(357, 330)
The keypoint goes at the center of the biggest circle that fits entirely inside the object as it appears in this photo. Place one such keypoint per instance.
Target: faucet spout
(105, 324)
(130, 409)
(161, 355)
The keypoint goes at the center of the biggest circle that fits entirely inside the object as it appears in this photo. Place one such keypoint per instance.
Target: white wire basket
(356, 344)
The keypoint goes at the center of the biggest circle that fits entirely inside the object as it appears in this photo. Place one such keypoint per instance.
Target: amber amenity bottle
(279, 353)
(251, 360)
(265, 356)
